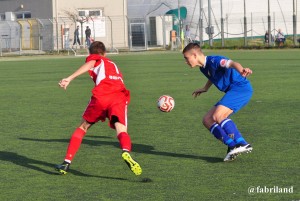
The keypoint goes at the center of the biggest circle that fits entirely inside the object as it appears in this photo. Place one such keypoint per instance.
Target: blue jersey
(217, 71)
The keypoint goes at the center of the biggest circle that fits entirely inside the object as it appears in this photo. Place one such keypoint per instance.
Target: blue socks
(230, 128)
(228, 133)
(220, 134)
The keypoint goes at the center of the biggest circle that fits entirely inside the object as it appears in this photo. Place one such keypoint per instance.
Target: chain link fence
(48, 35)
(9, 37)
(28, 36)
(256, 27)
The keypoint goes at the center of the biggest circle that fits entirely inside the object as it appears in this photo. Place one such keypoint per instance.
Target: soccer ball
(165, 103)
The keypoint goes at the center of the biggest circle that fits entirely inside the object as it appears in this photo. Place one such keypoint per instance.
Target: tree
(73, 15)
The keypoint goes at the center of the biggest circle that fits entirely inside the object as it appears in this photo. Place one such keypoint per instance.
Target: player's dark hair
(97, 47)
(191, 46)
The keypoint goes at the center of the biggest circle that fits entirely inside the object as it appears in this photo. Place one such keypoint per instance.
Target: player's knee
(85, 125)
(219, 117)
(84, 128)
(207, 121)
(120, 128)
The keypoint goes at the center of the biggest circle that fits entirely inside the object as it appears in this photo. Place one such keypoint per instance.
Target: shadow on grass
(139, 148)
(33, 164)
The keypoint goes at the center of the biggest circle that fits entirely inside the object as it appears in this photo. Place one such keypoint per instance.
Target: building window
(19, 15)
(2, 17)
(81, 13)
(94, 12)
(27, 15)
(23, 15)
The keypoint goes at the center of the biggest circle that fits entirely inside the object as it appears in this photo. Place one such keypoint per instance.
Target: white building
(106, 18)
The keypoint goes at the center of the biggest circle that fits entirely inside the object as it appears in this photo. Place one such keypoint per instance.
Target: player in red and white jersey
(109, 100)
(106, 75)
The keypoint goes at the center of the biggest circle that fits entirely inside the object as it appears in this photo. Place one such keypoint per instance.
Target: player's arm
(202, 90)
(237, 66)
(84, 68)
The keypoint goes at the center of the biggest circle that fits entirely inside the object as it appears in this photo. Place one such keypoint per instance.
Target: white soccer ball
(165, 103)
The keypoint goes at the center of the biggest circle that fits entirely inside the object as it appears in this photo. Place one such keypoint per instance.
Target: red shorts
(102, 107)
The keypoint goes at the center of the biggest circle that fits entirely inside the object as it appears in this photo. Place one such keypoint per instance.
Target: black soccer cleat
(63, 168)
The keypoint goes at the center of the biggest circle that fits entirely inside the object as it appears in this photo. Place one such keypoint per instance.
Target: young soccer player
(229, 77)
(109, 100)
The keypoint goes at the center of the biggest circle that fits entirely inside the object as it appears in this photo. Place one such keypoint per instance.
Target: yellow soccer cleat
(132, 164)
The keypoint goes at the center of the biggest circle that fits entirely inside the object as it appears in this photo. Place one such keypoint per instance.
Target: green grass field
(183, 160)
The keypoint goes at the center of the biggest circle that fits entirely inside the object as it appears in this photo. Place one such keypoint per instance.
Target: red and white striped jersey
(106, 75)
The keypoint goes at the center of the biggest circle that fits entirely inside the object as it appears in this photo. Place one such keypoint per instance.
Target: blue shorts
(236, 97)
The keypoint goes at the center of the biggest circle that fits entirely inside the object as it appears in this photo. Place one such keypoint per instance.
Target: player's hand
(246, 72)
(197, 92)
(64, 83)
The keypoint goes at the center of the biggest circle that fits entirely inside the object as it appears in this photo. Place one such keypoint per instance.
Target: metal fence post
(20, 41)
(222, 24)
(0, 45)
(164, 32)
(41, 25)
(111, 34)
(245, 25)
(269, 25)
(294, 22)
(57, 42)
(209, 25)
(201, 22)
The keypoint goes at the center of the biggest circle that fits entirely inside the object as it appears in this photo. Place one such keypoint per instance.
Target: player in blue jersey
(229, 77)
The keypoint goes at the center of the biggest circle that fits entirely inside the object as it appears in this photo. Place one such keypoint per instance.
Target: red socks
(74, 144)
(78, 135)
(125, 141)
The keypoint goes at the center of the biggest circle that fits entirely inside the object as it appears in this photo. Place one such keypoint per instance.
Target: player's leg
(242, 146)
(76, 140)
(73, 147)
(210, 121)
(125, 143)
(231, 102)
(118, 121)
(122, 135)
(91, 115)
(221, 115)
(117, 114)
(231, 129)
